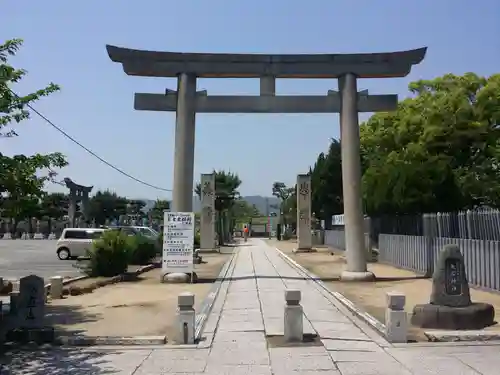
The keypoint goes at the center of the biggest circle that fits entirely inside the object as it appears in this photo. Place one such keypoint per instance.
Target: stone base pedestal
(357, 276)
(303, 250)
(474, 316)
(178, 278)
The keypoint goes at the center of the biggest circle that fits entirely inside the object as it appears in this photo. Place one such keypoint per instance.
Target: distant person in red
(245, 233)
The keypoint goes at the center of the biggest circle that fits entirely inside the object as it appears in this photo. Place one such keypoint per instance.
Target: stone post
(351, 182)
(396, 322)
(85, 206)
(293, 322)
(267, 86)
(185, 318)
(207, 232)
(304, 236)
(182, 196)
(14, 302)
(56, 287)
(72, 208)
(38, 235)
(7, 235)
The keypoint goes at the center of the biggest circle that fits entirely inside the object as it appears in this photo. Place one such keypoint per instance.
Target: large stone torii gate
(186, 102)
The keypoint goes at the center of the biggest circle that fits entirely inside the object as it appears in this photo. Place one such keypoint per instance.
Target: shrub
(197, 239)
(109, 255)
(142, 250)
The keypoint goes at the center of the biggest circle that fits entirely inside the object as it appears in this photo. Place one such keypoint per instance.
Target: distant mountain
(263, 204)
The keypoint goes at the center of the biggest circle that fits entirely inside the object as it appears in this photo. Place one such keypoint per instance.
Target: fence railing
(419, 254)
(480, 224)
(335, 238)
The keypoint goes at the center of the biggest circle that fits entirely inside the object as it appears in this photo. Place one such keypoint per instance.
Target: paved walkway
(249, 308)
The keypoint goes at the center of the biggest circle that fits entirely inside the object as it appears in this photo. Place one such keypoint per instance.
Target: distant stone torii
(77, 193)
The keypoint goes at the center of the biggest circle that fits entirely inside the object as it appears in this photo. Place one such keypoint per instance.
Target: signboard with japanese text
(178, 242)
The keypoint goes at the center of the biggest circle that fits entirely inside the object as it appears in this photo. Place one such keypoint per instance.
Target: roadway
(20, 258)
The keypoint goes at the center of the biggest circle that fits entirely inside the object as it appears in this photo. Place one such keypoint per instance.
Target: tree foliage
(226, 194)
(12, 106)
(287, 196)
(438, 152)
(159, 207)
(326, 183)
(243, 212)
(22, 178)
(107, 205)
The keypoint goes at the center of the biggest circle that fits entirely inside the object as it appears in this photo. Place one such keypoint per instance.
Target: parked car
(135, 230)
(74, 242)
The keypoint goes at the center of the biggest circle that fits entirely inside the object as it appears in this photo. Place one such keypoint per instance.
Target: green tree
(54, 206)
(135, 209)
(226, 192)
(438, 152)
(12, 106)
(107, 205)
(284, 193)
(159, 207)
(22, 178)
(242, 211)
(326, 183)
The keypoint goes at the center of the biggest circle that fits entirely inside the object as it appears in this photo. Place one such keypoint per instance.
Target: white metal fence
(336, 239)
(419, 254)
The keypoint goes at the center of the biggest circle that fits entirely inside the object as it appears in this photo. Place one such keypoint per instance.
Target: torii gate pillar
(182, 196)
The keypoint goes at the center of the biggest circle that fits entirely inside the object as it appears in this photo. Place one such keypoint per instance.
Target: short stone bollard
(396, 323)
(56, 287)
(185, 318)
(293, 323)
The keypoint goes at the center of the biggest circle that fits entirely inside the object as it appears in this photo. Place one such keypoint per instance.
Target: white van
(74, 242)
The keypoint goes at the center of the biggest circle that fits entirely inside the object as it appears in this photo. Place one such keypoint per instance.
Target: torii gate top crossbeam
(225, 65)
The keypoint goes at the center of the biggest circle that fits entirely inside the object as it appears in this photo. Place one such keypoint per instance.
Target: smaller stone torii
(77, 193)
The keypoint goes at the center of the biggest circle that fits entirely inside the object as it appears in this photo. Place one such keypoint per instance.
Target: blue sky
(65, 43)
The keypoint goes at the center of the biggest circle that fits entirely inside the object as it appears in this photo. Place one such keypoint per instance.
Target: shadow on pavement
(59, 316)
(56, 362)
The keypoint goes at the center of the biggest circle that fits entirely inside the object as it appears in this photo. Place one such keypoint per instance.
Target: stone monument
(78, 193)
(207, 230)
(304, 235)
(450, 306)
(186, 102)
(31, 306)
(28, 322)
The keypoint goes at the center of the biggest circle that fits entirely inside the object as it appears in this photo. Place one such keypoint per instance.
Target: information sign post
(178, 243)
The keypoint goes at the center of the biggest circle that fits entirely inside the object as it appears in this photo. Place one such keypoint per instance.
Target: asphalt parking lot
(20, 258)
